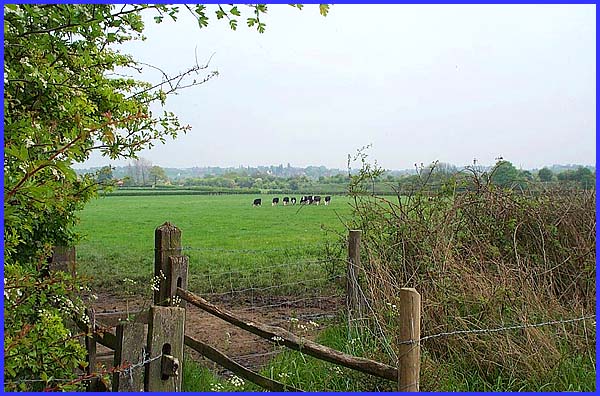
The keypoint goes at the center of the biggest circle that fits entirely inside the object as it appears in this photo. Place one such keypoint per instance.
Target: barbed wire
(127, 370)
(145, 360)
(499, 329)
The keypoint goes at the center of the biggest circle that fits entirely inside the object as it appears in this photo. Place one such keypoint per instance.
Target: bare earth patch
(241, 346)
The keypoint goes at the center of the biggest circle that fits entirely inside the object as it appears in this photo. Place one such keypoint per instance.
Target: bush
(41, 351)
(484, 258)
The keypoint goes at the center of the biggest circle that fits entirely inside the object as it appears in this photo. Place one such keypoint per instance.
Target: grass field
(220, 233)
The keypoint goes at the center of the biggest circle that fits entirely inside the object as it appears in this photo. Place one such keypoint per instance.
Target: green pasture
(227, 239)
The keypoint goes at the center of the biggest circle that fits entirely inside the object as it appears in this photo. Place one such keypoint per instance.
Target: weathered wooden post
(353, 296)
(62, 259)
(129, 351)
(165, 349)
(177, 277)
(167, 243)
(409, 348)
(166, 325)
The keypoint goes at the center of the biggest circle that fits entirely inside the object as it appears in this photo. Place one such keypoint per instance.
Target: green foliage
(63, 100)
(105, 175)
(484, 257)
(157, 174)
(583, 177)
(505, 174)
(38, 343)
(545, 175)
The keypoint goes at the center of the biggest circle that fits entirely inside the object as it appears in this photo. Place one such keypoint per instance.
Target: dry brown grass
(486, 258)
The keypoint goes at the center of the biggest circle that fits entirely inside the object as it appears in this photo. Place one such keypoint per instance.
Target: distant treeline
(155, 181)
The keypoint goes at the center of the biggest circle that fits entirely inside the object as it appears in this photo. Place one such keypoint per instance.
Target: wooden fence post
(353, 297)
(409, 349)
(167, 242)
(165, 349)
(177, 277)
(130, 351)
(62, 259)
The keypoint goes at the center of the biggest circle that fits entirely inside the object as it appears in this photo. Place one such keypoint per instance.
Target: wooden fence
(149, 347)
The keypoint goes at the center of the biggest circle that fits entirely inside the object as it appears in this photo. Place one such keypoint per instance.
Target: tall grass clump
(485, 257)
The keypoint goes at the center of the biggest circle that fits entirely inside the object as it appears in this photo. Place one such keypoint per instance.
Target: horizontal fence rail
(283, 337)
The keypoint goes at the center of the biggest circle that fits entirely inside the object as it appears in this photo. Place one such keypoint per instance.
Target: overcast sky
(418, 82)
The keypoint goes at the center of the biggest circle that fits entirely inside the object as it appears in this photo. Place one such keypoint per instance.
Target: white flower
(216, 387)
(28, 142)
(313, 324)
(293, 320)
(277, 338)
(175, 301)
(236, 381)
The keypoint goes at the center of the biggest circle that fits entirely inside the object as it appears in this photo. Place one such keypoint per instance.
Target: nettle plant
(65, 97)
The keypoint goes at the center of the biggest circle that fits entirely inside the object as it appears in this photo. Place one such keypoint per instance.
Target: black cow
(286, 200)
(275, 201)
(293, 200)
(317, 199)
(257, 202)
(303, 200)
(327, 199)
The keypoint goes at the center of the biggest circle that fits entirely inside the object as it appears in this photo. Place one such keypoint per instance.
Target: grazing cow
(327, 199)
(303, 200)
(257, 202)
(293, 200)
(286, 200)
(317, 199)
(275, 201)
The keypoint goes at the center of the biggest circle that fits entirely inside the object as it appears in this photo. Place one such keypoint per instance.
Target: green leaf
(234, 11)
(202, 21)
(324, 9)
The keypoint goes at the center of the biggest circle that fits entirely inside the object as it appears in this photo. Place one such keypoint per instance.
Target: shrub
(485, 257)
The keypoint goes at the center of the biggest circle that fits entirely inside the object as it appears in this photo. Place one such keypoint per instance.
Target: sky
(418, 83)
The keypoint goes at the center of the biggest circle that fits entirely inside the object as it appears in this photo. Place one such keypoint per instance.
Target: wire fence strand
(123, 371)
(500, 329)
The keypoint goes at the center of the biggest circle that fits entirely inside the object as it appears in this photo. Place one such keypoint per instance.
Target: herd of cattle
(305, 200)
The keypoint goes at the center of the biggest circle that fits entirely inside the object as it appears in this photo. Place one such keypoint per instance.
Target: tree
(545, 175)
(582, 176)
(157, 174)
(505, 174)
(105, 175)
(139, 170)
(62, 102)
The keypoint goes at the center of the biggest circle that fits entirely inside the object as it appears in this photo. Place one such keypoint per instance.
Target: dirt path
(242, 346)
